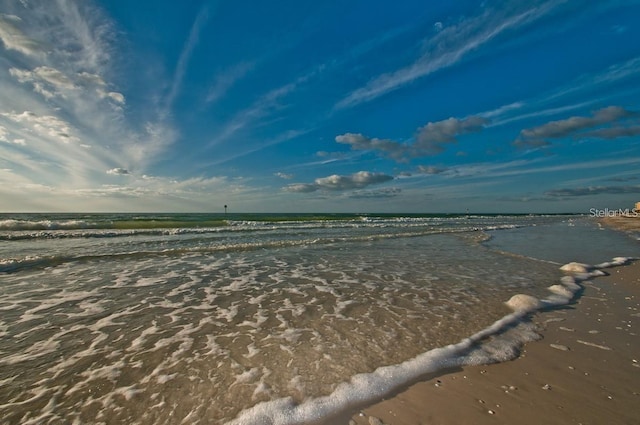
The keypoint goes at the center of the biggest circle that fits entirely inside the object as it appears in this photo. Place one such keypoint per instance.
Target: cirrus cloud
(592, 190)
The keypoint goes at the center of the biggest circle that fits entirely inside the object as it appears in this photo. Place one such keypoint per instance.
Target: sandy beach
(584, 370)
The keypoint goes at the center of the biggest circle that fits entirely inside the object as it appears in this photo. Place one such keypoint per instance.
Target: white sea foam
(367, 387)
(524, 303)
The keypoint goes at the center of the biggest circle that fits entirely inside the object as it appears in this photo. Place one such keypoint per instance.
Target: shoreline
(585, 369)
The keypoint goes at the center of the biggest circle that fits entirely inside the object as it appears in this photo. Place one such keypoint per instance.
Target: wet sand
(627, 224)
(584, 370)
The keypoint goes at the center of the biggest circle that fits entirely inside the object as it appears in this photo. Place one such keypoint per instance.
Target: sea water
(258, 319)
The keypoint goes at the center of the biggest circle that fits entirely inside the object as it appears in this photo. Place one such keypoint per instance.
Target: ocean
(262, 318)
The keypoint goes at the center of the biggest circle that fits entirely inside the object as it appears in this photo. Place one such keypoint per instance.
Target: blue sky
(324, 106)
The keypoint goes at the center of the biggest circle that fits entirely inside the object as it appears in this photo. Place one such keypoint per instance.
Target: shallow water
(108, 322)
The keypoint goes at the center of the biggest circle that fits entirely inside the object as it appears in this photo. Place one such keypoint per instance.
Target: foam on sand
(483, 347)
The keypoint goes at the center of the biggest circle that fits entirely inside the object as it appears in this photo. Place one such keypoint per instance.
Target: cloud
(116, 97)
(614, 132)
(429, 140)
(430, 170)
(353, 181)
(450, 45)
(575, 126)
(225, 80)
(530, 144)
(624, 179)
(47, 126)
(118, 172)
(185, 54)
(390, 192)
(4, 137)
(284, 176)
(592, 190)
(302, 187)
(14, 38)
(51, 82)
(62, 105)
(45, 80)
(388, 147)
(336, 182)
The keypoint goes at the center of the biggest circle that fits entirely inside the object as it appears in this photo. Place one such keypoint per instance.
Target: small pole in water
(225, 210)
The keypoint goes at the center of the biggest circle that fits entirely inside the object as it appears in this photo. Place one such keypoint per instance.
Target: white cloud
(266, 105)
(590, 86)
(116, 97)
(47, 81)
(50, 82)
(337, 182)
(302, 187)
(47, 126)
(450, 45)
(389, 192)
(14, 38)
(148, 144)
(118, 172)
(63, 115)
(284, 176)
(225, 80)
(4, 137)
(185, 55)
(358, 141)
(422, 169)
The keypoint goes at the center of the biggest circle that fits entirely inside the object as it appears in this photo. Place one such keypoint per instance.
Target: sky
(319, 106)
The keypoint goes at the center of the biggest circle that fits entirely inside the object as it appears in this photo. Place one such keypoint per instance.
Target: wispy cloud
(384, 193)
(521, 167)
(226, 79)
(185, 54)
(597, 87)
(266, 105)
(593, 82)
(450, 45)
(592, 190)
(65, 118)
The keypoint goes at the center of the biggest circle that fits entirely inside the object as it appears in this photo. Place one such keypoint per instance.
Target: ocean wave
(13, 224)
(12, 265)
